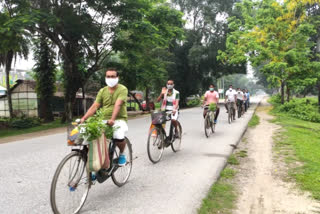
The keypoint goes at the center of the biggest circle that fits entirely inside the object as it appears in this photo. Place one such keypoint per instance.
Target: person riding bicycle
(113, 99)
(231, 96)
(244, 99)
(211, 96)
(240, 98)
(248, 98)
(170, 101)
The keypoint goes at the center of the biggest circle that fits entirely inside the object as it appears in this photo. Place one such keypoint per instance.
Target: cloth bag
(98, 154)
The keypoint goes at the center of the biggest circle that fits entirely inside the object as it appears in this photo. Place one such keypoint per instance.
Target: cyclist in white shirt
(240, 98)
(231, 97)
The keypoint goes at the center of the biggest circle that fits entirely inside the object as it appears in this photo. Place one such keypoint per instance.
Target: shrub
(301, 108)
(193, 103)
(24, 122)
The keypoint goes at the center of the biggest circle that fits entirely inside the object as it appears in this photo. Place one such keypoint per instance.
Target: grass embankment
(45, 126)
(222, 195)
(255, 120)
(299, 142)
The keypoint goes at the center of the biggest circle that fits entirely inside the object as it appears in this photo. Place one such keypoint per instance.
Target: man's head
(170, 84)
(112, 77)
(211, 87)
(230, 86)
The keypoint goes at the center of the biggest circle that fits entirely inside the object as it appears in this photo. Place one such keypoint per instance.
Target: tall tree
(276, 37)
(13, 42)
(45, 76)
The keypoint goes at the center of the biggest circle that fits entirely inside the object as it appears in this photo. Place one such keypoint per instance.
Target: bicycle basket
(158, 118)
(73, 134)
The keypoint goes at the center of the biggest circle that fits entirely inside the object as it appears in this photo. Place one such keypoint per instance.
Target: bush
(194, 102)
(24, 122)
(301, 108)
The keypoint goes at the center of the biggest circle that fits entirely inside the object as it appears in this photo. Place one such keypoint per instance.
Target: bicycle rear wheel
(212, 124)
(121, 175)
(207, 125)
(70, 185)
(176, 144)
(155, 145)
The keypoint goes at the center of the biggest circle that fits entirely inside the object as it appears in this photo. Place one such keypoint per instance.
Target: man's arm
(95, 106)
(163, 91)
(116, 110)
(204, 99)
(175, 107)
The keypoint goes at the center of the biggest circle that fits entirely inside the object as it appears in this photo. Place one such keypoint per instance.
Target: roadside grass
(222, 195)
(45, 126)
(299, 145)
(255, 120)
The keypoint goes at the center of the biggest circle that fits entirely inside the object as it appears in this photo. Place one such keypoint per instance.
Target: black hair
(113, 69)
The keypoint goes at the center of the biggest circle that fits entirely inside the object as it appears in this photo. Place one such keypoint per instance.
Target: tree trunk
(147, 99)
(8, 62)
(282, 91)
(318, 85)
(288, 93)
(84, 101)
(318, 51)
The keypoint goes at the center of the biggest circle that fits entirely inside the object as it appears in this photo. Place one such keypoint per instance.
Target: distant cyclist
(170, 101)
(211, 96)
(240, 98)
(231, 96)
(248, 98)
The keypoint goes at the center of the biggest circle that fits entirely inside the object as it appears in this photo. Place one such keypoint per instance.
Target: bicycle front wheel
(207, 125)
(176, 144)
(70, 185)
(155, 145)
(121, 175)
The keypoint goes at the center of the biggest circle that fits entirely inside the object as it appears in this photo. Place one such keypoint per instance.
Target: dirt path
(261, 189)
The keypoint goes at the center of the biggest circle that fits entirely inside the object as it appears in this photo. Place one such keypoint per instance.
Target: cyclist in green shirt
(112, 99)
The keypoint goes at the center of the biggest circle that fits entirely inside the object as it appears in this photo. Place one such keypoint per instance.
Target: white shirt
(230, 94)
(240, 95)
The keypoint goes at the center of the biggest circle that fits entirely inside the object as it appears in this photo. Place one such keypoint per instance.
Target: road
(177, 184)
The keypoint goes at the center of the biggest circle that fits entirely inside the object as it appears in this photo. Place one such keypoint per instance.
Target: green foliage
(275, 38)
(212, 107)
(222, 195)
(194, 102)
(301, 108)
(233, 160)
(255, 120)
(301, 138)
(24, 122)
(95, 126)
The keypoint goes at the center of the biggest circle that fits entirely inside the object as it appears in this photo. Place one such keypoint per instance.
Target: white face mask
(169, 86)
(111, 82)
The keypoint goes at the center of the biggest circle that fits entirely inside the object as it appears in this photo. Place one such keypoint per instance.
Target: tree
(144, 46)
(45, 76)
(196, 64)
(275, 37)
(13, 43)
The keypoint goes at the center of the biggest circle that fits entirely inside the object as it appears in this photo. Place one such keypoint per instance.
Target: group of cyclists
(112, 99)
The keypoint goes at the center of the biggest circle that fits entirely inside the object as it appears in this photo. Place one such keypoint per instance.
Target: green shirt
(107, 101)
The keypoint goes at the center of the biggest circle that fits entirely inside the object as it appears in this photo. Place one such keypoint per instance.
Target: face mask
(111, 82)
(211, 89)
(169, 86)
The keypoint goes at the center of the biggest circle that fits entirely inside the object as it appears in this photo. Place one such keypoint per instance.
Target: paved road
(175, 185)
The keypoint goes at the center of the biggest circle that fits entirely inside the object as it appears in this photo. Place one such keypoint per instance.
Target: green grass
(45, 126)
(233, 160)
(300, 141)
(242, 154)
(255, 120)
(222, 195)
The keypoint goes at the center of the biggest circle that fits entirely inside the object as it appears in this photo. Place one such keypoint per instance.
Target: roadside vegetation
(255, 120)
(223, 194)
(299, 142)
(25, 126)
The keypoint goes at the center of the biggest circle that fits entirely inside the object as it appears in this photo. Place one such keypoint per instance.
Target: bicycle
(231, 111)
(208, 122)
(72, 181)
(239, 108)
(158, 139)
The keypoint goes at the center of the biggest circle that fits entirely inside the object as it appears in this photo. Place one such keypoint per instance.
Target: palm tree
(13, 43)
